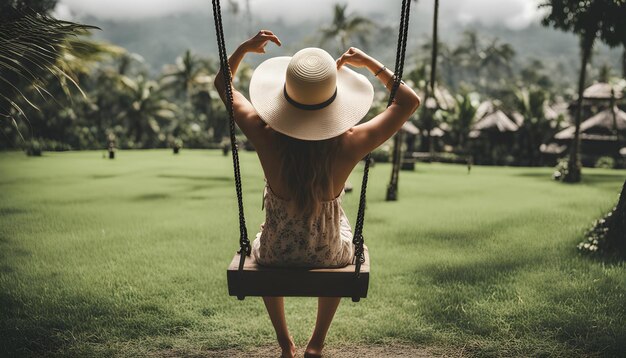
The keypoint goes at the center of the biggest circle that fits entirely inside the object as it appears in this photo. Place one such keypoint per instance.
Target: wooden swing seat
(257, 280)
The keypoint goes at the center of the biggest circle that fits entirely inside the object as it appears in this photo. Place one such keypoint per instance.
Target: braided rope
(397, 158)
(357, 238)
(244, 243)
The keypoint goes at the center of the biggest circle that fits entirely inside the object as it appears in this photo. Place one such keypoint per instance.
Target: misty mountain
(161, 40)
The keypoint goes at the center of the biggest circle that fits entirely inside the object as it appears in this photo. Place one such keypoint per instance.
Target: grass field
(128, 257)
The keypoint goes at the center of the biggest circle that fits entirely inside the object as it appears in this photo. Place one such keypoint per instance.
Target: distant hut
(493, 132)
(484, 109)
(410, 133)
(597, 97)
(496, 122)
(442, 99)
(602, 91)
(601, 135)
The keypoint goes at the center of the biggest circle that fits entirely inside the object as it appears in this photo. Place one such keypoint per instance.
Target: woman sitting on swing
(302, 120)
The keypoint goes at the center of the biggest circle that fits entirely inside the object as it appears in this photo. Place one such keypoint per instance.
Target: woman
(302, 120)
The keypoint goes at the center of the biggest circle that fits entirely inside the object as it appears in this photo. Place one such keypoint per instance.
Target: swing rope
(357, 240)
(403, 30)
(244, 242)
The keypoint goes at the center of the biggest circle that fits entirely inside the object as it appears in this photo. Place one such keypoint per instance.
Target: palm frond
(30, 45)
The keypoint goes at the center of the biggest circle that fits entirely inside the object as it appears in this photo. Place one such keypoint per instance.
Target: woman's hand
(354, 57)
(259, 41)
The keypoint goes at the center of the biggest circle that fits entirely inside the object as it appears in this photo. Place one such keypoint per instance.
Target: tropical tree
(31, 44)
(463, 117)
(184, 74)
(590, 20)
(145, 110)
(496, 63)
(345, 26)
(468, 55)
(535, 72)
(427, 117)
(536, 129)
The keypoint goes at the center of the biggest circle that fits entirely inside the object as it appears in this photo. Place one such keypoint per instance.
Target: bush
(605, 162)
(33, 148)
(450, 158)
(561, 169)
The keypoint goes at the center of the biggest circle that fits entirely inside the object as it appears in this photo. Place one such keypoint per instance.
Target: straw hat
(306, 97)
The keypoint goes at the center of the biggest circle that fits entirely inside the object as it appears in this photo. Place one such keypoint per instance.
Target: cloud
(133, 9)
(515, 14)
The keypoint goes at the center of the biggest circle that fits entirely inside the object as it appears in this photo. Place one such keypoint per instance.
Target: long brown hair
(306, 168)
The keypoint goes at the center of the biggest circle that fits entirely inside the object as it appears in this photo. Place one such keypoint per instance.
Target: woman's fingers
(274, 39)
(343, 59)
(269, 35)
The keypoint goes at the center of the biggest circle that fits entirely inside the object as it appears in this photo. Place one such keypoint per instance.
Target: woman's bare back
(269, 151)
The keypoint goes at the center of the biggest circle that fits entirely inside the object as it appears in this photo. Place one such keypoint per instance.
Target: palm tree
(145, 109)
(345, 26)
(428, 113)
(468, 55)
(31, 44)
(536, 129)
(496, 62)
(463, 117)
(590, 20)
(182, 76)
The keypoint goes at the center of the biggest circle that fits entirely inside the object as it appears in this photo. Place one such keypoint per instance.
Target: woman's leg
(276, 309)
(326, 308)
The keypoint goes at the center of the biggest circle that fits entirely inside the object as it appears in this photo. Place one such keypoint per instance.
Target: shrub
(561, 169)
(33, 148)
(605, 162)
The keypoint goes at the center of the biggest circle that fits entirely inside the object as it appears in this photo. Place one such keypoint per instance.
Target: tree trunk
(574, 166)
(435, 49)
(618, 144)
(624, 63)
(392, 188)
(617, 226)
(138, 131)
(433, 75)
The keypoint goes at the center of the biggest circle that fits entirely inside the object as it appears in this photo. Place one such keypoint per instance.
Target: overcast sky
(512, 13)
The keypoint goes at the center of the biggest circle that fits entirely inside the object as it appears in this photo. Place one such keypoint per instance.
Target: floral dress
(288, 239)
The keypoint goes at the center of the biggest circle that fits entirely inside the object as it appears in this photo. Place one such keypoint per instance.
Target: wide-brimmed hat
(306, 97)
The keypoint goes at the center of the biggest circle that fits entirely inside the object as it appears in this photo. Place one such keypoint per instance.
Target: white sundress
(288, 239)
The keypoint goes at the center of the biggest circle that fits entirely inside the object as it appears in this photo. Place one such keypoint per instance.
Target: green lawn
(128, 257)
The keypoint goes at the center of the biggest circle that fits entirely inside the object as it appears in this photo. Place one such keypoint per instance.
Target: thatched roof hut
(410, 128)
(602, 91)
(442, 99)
(598, 127)
(484, 109)
(551, 112)
(494, 122)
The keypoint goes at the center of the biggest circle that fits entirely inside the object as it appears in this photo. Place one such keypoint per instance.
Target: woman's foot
(313, 350)
(288, 348)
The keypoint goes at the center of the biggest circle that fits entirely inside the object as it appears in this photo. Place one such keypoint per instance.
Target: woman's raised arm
(245, 115)
(366, 137)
